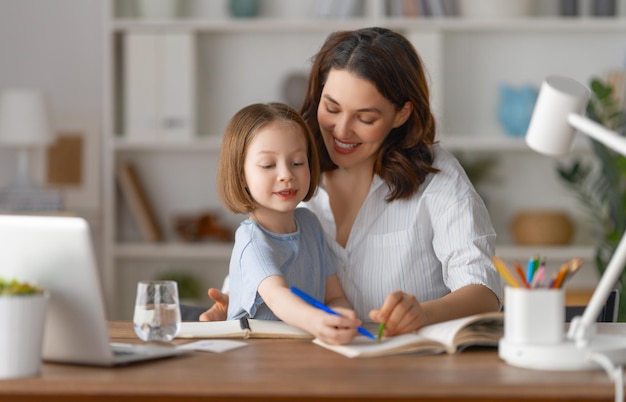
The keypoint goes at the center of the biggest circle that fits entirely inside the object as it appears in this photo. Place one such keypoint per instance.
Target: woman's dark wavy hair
(389, 61)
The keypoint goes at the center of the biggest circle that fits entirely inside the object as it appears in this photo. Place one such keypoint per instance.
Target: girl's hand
(219, 310)
(401, 313)
(333, 329)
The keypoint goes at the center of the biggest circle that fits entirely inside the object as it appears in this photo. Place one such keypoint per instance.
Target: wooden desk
(297, 370)
(578, 297)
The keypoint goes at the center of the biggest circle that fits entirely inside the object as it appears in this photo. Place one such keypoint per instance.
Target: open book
(242, 328)
(446, 337)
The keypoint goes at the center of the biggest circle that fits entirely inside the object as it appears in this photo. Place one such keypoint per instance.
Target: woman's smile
(345, 147)
(354, 118)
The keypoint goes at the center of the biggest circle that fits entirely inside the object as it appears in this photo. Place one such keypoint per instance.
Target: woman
(412, 240)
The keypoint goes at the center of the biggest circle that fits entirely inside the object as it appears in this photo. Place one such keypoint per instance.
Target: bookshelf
(466, 59)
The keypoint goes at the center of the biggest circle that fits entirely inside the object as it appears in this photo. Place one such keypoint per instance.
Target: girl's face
(276, 167)
(355, 118)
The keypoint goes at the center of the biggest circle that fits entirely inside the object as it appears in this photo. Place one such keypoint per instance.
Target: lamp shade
(549, 131)
(24, 120)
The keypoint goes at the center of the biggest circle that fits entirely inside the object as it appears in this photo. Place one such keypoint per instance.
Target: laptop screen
(56, 253)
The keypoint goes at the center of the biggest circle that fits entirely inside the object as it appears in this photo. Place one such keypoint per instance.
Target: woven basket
(542, 228)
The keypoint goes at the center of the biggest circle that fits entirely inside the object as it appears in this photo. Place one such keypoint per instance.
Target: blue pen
(327, 309)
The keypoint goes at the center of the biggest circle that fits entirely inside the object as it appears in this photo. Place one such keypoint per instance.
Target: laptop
(56, 253)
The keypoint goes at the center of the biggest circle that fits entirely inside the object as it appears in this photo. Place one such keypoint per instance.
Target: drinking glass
(157, 312)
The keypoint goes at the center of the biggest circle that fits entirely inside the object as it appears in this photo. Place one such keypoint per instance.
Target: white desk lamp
(557, 113)
(25, 126)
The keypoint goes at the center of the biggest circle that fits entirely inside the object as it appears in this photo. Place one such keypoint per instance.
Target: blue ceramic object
(515, 108)
(243, 8)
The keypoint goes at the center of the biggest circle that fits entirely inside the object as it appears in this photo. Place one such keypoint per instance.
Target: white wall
(55, 45)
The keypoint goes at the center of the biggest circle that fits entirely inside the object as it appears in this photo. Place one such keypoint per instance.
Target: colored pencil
(504, 272)
(520, 273)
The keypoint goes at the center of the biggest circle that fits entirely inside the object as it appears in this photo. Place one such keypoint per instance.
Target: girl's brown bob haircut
(240, 132)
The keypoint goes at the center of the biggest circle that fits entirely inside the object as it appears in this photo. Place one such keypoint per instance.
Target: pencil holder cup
(534, 316)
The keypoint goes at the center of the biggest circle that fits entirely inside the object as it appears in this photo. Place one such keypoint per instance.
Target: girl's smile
(287, 194)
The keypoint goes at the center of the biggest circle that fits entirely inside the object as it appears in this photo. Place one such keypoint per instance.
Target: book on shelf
(159, 95)
(241, 328)
(434, 8)
(178, 86)
(141, 94)
(446, 337)
(450, 8)
(135, 195)
(336, 8)
(395, 8)
(420, 8)
(413, 8)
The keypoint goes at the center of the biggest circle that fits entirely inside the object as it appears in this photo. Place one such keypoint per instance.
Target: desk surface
(286, 370)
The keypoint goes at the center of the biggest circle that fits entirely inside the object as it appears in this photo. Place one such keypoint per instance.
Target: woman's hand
(401, 313)
(219, 310)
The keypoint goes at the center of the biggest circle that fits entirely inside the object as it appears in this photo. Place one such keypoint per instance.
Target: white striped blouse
(438, 241)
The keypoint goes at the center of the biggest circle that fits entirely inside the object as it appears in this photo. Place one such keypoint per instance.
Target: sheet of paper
(213, 345)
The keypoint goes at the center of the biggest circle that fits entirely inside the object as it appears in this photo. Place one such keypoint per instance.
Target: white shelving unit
(240, 61)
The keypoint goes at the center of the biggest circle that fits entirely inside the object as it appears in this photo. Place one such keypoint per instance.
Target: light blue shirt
(439, 240)
(302, 258)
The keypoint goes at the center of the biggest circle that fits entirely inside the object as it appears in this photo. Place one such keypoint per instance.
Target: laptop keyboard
(117, 352)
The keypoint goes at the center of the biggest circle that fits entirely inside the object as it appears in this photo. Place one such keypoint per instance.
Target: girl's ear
(403, 114)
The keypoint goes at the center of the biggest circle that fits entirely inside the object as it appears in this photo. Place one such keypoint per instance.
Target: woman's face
(355, 118)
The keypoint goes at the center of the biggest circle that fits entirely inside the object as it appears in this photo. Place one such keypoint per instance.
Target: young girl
(268, 165)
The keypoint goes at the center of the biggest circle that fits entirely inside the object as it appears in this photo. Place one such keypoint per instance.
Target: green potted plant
(600, 184)
(22, 314)
(189, 287)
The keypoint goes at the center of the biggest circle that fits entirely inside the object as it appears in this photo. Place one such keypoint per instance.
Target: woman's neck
(347, 190)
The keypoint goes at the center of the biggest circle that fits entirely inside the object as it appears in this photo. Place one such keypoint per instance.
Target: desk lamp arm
(582, 329)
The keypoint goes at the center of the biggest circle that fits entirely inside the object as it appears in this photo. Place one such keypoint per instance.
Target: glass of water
(157, 311)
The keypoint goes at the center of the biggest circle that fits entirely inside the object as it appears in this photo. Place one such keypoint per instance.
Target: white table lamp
(556, 116)
(25, 126)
